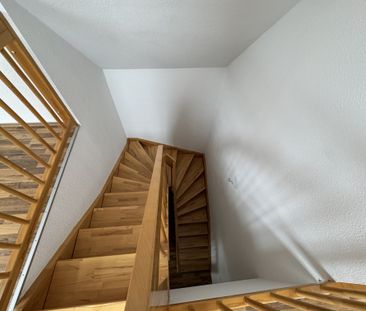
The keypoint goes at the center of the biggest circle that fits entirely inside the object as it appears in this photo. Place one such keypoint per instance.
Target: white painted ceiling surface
(159, 33)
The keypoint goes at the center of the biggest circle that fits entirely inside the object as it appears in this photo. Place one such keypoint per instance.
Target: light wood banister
(139, 293)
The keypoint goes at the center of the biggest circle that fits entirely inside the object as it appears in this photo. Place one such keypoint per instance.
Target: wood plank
(192, 229)
(183, 163)
(93, 242)
(193, 241)
(114, 199)
(120, 184)
(258, 305)
(196, 188)
(151, 150)
(136, 149)
(128, 172)
(194, 171)
(194, 253)
(196, 203)
(112, 306)
(138, 166)
(90, 280)
(300, 305)
(196, 216)
(117, 216)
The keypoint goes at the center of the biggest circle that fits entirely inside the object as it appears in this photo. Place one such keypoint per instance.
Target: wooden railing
(30, 152)
(150, 273)
(326, 297)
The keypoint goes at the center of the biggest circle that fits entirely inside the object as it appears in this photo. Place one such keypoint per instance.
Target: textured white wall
(172, 106)
(100, 139)
(290, 134)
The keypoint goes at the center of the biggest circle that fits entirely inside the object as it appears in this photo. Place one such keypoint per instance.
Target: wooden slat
(22, 171)
(31, 131)
(301, 305)
(27, 150)
(141, 281)
(358, 305)
(351, 292)
(183, 162)
(258, 305)
(18, 194)
(14, 219)
(9, 245)
(36, 92)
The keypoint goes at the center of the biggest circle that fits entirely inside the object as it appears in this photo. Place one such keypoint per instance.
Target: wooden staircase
(100, 269)
(190, 263)
(98, 274)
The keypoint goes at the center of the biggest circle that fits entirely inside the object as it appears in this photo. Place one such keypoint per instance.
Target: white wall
(290, 133)
(100, 139)
(172, 106)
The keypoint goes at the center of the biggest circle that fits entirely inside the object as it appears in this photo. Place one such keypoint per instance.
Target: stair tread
(183, 162)
(106, 241)
(128, 172)
(195, 203)
(124, 198)
(133, 162)
(120, 184)
(197, 216)
(136, 149)
(90, 280)
(192, 229)
(195, 169)
(196, 188)
(117, 216)
(151, 150)
(193, 242)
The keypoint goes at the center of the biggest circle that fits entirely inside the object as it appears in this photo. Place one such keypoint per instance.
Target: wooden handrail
(140, 288)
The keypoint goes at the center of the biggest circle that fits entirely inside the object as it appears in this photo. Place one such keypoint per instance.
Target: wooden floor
(9, 177)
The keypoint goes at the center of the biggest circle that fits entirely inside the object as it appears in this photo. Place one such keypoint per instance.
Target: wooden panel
(196, 203)
(90, 280)
(120, 184)
(183, 162)
(117, 216)
(195, 170)
(140, 153)
(193, 229)
(124, 198)
(193, 241)
(106, 241)
(128, 172)
(196, 188)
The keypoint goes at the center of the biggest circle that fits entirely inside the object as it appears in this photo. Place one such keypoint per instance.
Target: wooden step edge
(129, 193)
(91, 229)
(83, 259)
(108, 306)
(120, 207)
(124, 179)
(187, 222)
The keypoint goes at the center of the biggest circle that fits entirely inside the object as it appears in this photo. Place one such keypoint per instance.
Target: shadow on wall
(250, 239)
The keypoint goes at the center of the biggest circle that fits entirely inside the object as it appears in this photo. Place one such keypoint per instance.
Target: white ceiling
(159, 33)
